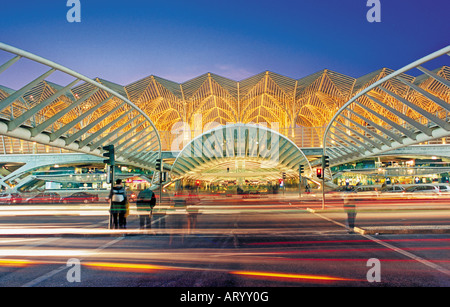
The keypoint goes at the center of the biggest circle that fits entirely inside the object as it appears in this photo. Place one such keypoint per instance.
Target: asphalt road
(234, 243)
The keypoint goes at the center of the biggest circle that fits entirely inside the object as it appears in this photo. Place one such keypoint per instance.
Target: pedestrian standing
(192, 203)
(118, 208)
(350, 208)
(145, 202)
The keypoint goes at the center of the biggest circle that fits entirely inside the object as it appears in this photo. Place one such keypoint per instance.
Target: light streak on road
(42, 253)
(16, 263)
(344, 241)
(151, 268)
(290, 277)
(128, 267)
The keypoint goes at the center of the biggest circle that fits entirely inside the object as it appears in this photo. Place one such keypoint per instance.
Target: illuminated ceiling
(239, 151)
(264, 98)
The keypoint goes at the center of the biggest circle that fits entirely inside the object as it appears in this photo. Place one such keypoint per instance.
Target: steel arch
(388, 115)
(80, 118)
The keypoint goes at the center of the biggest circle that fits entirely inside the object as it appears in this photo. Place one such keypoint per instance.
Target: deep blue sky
(124, 41)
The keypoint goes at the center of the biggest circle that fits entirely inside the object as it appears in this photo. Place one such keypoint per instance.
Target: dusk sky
(124, 41)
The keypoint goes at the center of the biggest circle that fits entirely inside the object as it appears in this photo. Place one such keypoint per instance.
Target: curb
(400, 229)
(376, 210)
(425, 229)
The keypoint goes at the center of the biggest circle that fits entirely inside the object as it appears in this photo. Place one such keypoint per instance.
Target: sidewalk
(392, 229)
(423, 229)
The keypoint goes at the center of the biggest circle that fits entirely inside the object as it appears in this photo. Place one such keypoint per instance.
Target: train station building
(387, 124)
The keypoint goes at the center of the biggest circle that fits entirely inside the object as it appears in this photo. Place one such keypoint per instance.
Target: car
(393, 189)
(444, 188)
(422, 191)
(340, 191)
(44, 198)
(10, 198)
(368, 191)
(343, 188)
(80, 197)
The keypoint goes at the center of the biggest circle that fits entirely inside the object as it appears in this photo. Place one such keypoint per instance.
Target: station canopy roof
(239, 151)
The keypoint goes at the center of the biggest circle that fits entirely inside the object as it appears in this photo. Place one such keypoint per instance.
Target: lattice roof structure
(83, 112)
(267, 97)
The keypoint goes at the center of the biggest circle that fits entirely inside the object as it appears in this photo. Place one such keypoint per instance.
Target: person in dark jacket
(118, 208)
(145, 202)
(350, 208)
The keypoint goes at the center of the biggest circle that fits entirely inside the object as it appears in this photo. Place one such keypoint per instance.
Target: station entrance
(240, 159)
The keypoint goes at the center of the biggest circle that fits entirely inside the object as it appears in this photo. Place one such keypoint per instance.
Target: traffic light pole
(323, 192)
(323, 182)
(111, 162)
(300, 186)
(325, 164)
(159, 167)
(160, 186)
(111, 181)
(300, 172)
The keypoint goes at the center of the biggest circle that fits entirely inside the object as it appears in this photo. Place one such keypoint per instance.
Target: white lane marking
(396, 249)
(409, 255)
(50, 274)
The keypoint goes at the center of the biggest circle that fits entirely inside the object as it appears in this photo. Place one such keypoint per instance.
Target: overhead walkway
(82, 116)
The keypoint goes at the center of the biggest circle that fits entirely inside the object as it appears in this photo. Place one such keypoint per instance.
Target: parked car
(393, 189)
(422, 191)
(340, 191)
(44, 198)
(369, 191)
(80, 197)
(10, 198)
(444, 188)
(342, 188)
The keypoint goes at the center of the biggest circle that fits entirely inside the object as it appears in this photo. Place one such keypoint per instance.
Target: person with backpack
(118, 208)
(145, 202)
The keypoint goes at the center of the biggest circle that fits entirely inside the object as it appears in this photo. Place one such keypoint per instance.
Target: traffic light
(158, 165)
(300, 169)
(319, 172)
(284, 175)
(325, 162)
(109, 154)
(197, 183)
